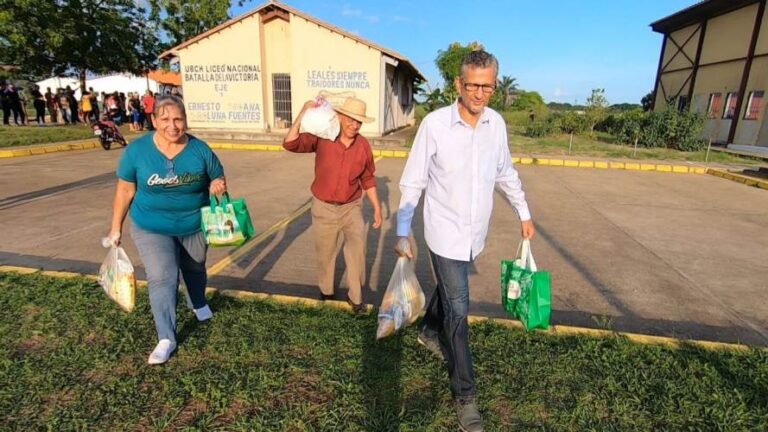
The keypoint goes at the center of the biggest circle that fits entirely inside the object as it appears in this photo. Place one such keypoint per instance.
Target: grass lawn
(586, 147)
(33, 134)
(70, 359)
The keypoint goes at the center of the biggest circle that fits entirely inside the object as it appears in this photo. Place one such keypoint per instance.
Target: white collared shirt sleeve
(414, 178)
(508, 181)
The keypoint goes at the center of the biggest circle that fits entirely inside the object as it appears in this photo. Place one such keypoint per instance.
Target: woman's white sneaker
(204, 313)
(162, 352)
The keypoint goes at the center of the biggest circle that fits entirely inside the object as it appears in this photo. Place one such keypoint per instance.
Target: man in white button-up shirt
(460, 154)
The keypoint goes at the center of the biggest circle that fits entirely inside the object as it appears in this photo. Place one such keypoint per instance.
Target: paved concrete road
(667, 254)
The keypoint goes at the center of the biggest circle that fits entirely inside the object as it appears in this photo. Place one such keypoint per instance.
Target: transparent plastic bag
(321, 121)
(403, 301)
(117, 278)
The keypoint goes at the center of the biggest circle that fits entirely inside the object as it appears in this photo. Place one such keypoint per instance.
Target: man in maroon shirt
(343, 170)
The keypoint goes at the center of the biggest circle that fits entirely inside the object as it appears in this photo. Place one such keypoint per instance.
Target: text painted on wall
(222, 73)
(337, 79)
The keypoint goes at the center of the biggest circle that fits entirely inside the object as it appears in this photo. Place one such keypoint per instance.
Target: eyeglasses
(473, 87)
(170, 168)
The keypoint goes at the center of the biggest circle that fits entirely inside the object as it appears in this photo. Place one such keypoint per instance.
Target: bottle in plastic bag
(321, 121)
(117, 278)
(403, 301)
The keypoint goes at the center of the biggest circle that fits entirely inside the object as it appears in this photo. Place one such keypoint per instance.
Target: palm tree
(507, 87)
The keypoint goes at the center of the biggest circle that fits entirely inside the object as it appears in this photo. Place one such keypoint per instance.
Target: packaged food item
(321, 121)
(117, 278)
(403, 300)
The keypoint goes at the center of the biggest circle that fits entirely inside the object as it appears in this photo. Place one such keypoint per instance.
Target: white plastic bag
(321, 121)
(524, 260)
(117, 278)
(402, 302)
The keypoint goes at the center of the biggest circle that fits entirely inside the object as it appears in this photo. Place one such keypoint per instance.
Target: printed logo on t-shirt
(174, 180)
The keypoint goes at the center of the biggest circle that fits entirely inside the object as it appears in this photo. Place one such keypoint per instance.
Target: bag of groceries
(403, 300)
(226, 222)
(321, 121)
(117, 278)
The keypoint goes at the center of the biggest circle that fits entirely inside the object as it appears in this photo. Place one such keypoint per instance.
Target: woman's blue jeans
(164, 257)
(446, 319)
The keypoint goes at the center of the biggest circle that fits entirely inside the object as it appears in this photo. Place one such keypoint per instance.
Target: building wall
(726, 43)
(216, 94)
(325, 60)
(720, 78)
(278, 58)
(398, 106)
(677, 60)
(674, 60)
(728, 35)
(748, 131)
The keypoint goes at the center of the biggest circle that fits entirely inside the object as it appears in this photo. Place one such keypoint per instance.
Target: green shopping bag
(226, 223)
(526, 291)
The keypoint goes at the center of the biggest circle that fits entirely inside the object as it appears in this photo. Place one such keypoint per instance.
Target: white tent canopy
(121, 83)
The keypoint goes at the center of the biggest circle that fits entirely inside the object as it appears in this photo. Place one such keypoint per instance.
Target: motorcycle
(108, 133)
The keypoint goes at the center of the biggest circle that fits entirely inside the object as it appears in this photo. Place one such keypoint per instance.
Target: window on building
(715, 105)
(754, 105)
(682, 103)
(281, 100)
(731, 99)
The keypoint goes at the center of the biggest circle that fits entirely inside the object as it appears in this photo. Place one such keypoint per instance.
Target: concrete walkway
(658, 253)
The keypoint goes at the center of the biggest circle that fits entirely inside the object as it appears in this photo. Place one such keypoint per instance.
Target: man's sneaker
(325, 297)
(204, 313)
(432, 344)
(469, 415)
(357, 308)
(162, 352)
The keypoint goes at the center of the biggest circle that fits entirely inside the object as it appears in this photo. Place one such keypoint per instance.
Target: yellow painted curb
(6, 154)
(586, 164)
(601, 165)
(749, 181)
(556, 162)
(21, 153)
(680, 169)
(571, 163)
(616, 165)
(631, 166)
(401, 154)
(553, 330)
(526, 160)
(515, 159)
(664, 168)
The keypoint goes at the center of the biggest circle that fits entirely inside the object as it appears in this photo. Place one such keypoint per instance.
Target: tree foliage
(647, 101)
(59, 37)
(507, 87)
(596, 108)
(181, 20)
(449, 61)
(528, 100)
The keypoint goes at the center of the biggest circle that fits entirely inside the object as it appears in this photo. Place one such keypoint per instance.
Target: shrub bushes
(673, 129)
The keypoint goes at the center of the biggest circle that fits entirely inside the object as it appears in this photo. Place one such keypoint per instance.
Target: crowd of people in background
(64, 107)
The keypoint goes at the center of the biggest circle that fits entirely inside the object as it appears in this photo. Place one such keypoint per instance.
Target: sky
(561, 48)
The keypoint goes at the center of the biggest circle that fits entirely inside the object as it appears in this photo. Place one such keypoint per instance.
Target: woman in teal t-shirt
(165, 178)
